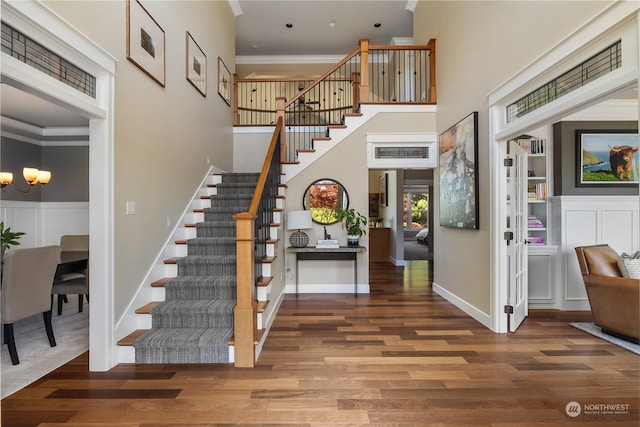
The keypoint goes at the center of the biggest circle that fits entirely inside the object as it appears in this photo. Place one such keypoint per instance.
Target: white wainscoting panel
(543, 277)
(25, 217)
(591, 220)
(45, 222)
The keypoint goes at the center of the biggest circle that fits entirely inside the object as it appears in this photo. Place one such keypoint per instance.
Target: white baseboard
(472, 311)
(576, 305)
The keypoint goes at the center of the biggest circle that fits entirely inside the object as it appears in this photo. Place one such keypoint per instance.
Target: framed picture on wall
(384, 190)
(607, 158)
(458, 147)
(196, 65)
(145, 42)
(224, 82)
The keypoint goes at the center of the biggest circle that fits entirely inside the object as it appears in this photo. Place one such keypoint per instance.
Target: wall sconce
(297, 220)
(33, 177)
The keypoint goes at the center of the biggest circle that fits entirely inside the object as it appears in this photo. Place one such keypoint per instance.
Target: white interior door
(518, 215)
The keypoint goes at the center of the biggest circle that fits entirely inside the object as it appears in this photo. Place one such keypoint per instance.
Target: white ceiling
(261, 25)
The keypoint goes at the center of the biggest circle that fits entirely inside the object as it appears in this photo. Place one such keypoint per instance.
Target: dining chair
(76, 282)
(75, 286)
(74, 243)
(27, 278)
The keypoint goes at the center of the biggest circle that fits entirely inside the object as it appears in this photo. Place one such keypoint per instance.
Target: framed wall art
(224, 82)
(458, 147)
(145, 42)
(607, 158)
(384, 190)
(196, 65)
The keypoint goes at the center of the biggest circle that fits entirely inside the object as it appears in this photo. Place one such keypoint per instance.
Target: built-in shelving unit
(537, 149)
(542, 289)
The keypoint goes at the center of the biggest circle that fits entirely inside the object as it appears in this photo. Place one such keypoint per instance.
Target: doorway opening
(416, 213)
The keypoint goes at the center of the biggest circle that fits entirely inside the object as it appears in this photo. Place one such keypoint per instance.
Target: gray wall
(69, 168)
(564, 159)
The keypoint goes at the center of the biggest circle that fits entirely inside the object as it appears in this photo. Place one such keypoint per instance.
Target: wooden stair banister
(322, 77)
(246, 310)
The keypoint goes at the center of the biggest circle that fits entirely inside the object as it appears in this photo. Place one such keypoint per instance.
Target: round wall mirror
(324, 198)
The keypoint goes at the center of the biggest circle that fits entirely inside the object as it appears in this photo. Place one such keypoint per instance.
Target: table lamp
(297, 220)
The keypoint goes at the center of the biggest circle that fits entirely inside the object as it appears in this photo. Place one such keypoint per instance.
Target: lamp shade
(298, 220)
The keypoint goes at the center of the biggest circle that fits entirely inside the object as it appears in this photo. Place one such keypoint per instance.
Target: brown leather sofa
(614, 299)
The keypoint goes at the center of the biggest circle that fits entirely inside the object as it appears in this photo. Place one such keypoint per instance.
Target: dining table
(72, 262)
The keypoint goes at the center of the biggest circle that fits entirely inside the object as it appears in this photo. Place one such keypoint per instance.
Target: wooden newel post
(355, 90)
(280, 105)
(245, 314)
(433, 97)
(236, 117)
(365, 89)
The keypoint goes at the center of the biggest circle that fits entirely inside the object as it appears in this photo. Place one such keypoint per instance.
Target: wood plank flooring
(401, 356)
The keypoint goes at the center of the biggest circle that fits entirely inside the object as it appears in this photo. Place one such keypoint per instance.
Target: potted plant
(8, 237)
(355, 223)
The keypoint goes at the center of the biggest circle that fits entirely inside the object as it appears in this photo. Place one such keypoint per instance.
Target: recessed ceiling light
(377, 25)
(289, 25)
(332, 24)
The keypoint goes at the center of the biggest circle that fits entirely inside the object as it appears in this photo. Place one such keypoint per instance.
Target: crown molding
(47, 136)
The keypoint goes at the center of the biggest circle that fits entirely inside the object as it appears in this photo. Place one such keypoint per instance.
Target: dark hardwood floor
(400, 356)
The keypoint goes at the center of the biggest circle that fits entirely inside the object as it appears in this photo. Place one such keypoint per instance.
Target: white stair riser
(266, 270)
(158, 294)
(126, 354)
(144, 321)
(194, 217)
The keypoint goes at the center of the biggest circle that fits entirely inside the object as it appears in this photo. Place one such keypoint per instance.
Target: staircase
(195, 322)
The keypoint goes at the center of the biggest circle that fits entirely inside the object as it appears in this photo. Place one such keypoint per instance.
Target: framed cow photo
(607, 158)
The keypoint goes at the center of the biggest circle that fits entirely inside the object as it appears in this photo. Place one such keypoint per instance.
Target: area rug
(594, 330)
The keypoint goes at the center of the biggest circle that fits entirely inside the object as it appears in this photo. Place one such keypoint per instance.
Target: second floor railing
(394, 74)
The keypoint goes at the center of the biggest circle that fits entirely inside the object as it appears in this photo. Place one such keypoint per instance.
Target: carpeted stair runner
(195, 322)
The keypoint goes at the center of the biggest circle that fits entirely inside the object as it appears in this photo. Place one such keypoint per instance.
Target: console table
(311, 253)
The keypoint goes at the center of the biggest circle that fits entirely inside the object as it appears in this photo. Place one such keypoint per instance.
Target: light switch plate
(131, 208)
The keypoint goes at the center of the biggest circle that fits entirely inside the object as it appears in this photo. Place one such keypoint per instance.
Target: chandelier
(33, 177)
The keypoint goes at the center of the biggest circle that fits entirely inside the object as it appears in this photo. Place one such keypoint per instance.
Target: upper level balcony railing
(395, 74)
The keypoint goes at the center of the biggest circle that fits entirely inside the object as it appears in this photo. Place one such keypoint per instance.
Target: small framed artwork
(145, 42)
(384, 189)
(607, 158)
(196, 65)
(459, 174)
(224, 82)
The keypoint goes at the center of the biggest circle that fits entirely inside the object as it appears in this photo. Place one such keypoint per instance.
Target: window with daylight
(416, 210)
